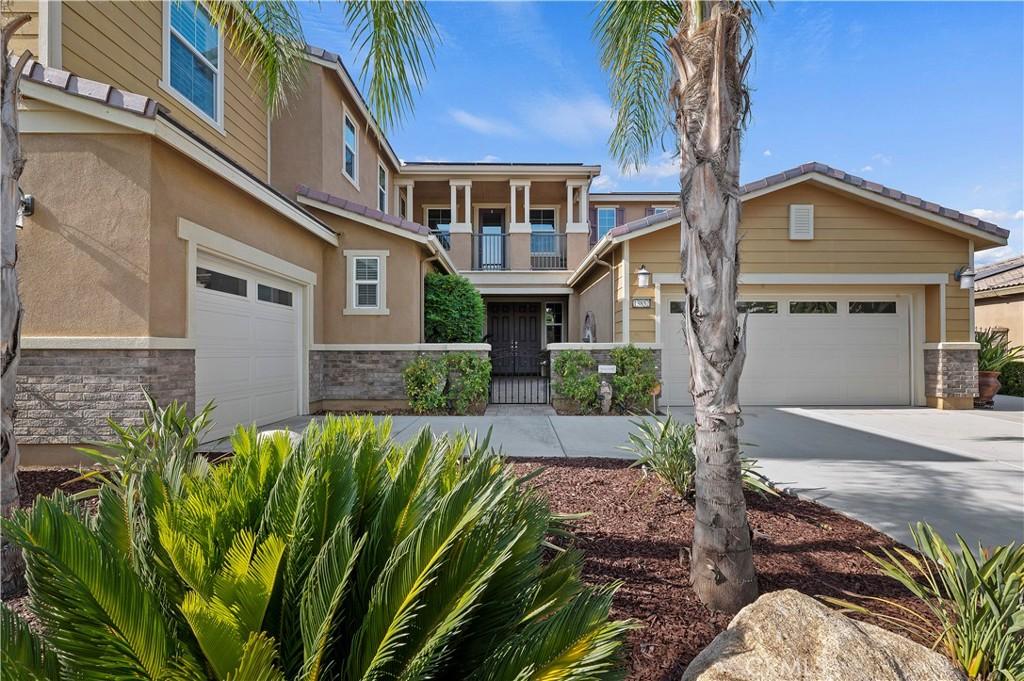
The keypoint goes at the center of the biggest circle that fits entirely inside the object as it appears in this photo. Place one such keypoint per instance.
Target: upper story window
(382, 188)
(605, 220)
(194, 58)
(542, 219)
(350, 161)
(439, 219)
(658, 210)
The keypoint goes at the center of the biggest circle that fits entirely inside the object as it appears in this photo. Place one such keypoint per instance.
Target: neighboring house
(184, 241)
(999, 298)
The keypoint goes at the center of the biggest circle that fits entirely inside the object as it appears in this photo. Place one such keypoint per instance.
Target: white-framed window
(439, 219)
(367, 277)
(382, 188)
(554, 323)
(658, 210)
(605, 220)
(193, 69)
(350, 150)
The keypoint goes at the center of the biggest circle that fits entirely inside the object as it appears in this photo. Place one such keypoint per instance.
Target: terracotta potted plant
(994, 353)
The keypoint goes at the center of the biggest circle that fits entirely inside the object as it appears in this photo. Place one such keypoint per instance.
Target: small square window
(218, 281)
(873, 307)
(813, 307)
(676, 307)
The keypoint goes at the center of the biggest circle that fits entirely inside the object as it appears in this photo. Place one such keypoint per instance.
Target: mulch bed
(634, 533)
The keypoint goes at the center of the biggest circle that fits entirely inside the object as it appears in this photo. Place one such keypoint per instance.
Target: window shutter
(593, 225)
(801, 221)
(620, 216)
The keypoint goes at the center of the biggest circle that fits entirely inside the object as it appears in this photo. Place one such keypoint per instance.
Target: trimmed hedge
(453, 310)
(1012, 378)
(577, 380)
(452, 383)
(634, 379)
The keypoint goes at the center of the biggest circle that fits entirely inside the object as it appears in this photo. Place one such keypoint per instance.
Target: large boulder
(785, 635)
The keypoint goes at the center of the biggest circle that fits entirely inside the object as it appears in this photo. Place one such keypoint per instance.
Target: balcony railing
(444, 236)
(490, 251)
(547, 251)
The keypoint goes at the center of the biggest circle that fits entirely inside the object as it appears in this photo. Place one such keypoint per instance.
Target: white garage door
(812, 350)
(247, 330)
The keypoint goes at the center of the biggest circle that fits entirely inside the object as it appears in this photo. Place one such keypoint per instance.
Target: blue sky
(925, 97)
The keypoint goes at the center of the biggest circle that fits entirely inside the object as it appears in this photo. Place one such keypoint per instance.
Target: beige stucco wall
(1003, 312)
(631, 210)
(594, 295)
(850, 236)
(121, 43)
(306, 143)
(84, 256)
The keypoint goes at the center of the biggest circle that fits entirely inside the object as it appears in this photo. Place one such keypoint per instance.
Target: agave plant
(976, 601)
(667, 448)
(343, 556)
(995, 351)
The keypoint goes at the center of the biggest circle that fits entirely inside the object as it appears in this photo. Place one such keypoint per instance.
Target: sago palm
(343, 556)
(683, 63)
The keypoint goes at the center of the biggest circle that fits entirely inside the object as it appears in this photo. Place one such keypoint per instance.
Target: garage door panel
(839, 358)
(247, 351)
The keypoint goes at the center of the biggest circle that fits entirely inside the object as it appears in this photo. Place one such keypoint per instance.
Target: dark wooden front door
(514, 330)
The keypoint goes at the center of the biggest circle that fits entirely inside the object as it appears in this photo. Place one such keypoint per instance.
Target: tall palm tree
(398, 38)
(684, 62)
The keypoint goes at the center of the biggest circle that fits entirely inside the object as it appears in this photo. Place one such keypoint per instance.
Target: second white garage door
(248, 335)
(817, 350)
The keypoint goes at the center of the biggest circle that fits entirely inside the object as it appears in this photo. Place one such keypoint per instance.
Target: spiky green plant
(345, 556)
(666, 448)
(995, 351)
(976, 601)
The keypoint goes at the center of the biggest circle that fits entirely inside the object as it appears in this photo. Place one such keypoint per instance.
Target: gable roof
(1000, 275)
(844, 180)
(103, 93)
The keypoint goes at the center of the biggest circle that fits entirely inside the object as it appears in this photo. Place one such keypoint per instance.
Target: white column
(568, 204)
(469, 204)
(526, 203)
(584, 202)
(512, 205)
(455, 217)
(408, 203)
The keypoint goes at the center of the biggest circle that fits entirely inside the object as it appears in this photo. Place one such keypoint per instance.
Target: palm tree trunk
(12, 163)
(711, 105)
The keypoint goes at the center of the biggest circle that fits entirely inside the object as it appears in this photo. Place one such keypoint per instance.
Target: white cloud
(603, 183)
(490, 158)
(430, 159)
(667, 165)
(866, 169)
(767, 152)
(482, 125)
(996, 215)
(570, 120)
(994, 255)
(884, 159)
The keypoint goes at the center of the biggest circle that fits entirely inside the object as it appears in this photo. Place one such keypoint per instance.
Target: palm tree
(690, 58)
(398, 38)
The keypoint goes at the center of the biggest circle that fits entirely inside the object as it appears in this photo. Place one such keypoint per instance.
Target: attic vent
(801, 221)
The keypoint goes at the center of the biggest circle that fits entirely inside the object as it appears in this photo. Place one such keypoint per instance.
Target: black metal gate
(520, 377)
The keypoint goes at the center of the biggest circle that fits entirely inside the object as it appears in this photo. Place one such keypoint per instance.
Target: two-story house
(185, 241)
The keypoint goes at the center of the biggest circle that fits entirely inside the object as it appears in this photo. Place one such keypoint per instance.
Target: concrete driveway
(961, 471)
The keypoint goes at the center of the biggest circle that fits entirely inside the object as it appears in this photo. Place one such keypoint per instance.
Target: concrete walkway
(960, 471)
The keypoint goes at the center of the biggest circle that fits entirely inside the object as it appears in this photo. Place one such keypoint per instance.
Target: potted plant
(994, 353)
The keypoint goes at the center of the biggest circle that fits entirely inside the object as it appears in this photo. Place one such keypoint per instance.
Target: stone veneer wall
(66, 396)
(950, 377)
(340, 379)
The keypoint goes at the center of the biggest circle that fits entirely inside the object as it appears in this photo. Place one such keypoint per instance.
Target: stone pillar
(951, 375)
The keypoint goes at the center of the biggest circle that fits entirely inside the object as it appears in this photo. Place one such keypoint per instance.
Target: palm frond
(267, 37)
(257, 662)
(633, 36)
(398, 38)
(23, 654)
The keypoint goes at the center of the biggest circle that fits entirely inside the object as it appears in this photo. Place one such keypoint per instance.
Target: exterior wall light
(643, 277)
(965, 275)
(26, 206)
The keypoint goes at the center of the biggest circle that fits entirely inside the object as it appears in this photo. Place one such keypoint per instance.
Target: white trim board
(523, 290)
(400, 347)
(227, 247)
(825, 278)
(106, 343)
(601, 346)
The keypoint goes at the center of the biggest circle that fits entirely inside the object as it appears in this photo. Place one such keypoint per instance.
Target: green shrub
(976, 601)
(577, 380)
(451, 383)
(995, 351)
(634, 378)
(1012, 378)
(667, 448)
(425, 379)
(453, 311)
(345, 555)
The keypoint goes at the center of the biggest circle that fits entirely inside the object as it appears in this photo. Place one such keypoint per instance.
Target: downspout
(611, 278)
(423, 302)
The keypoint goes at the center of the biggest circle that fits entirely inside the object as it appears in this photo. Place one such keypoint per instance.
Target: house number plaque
(642, 303)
